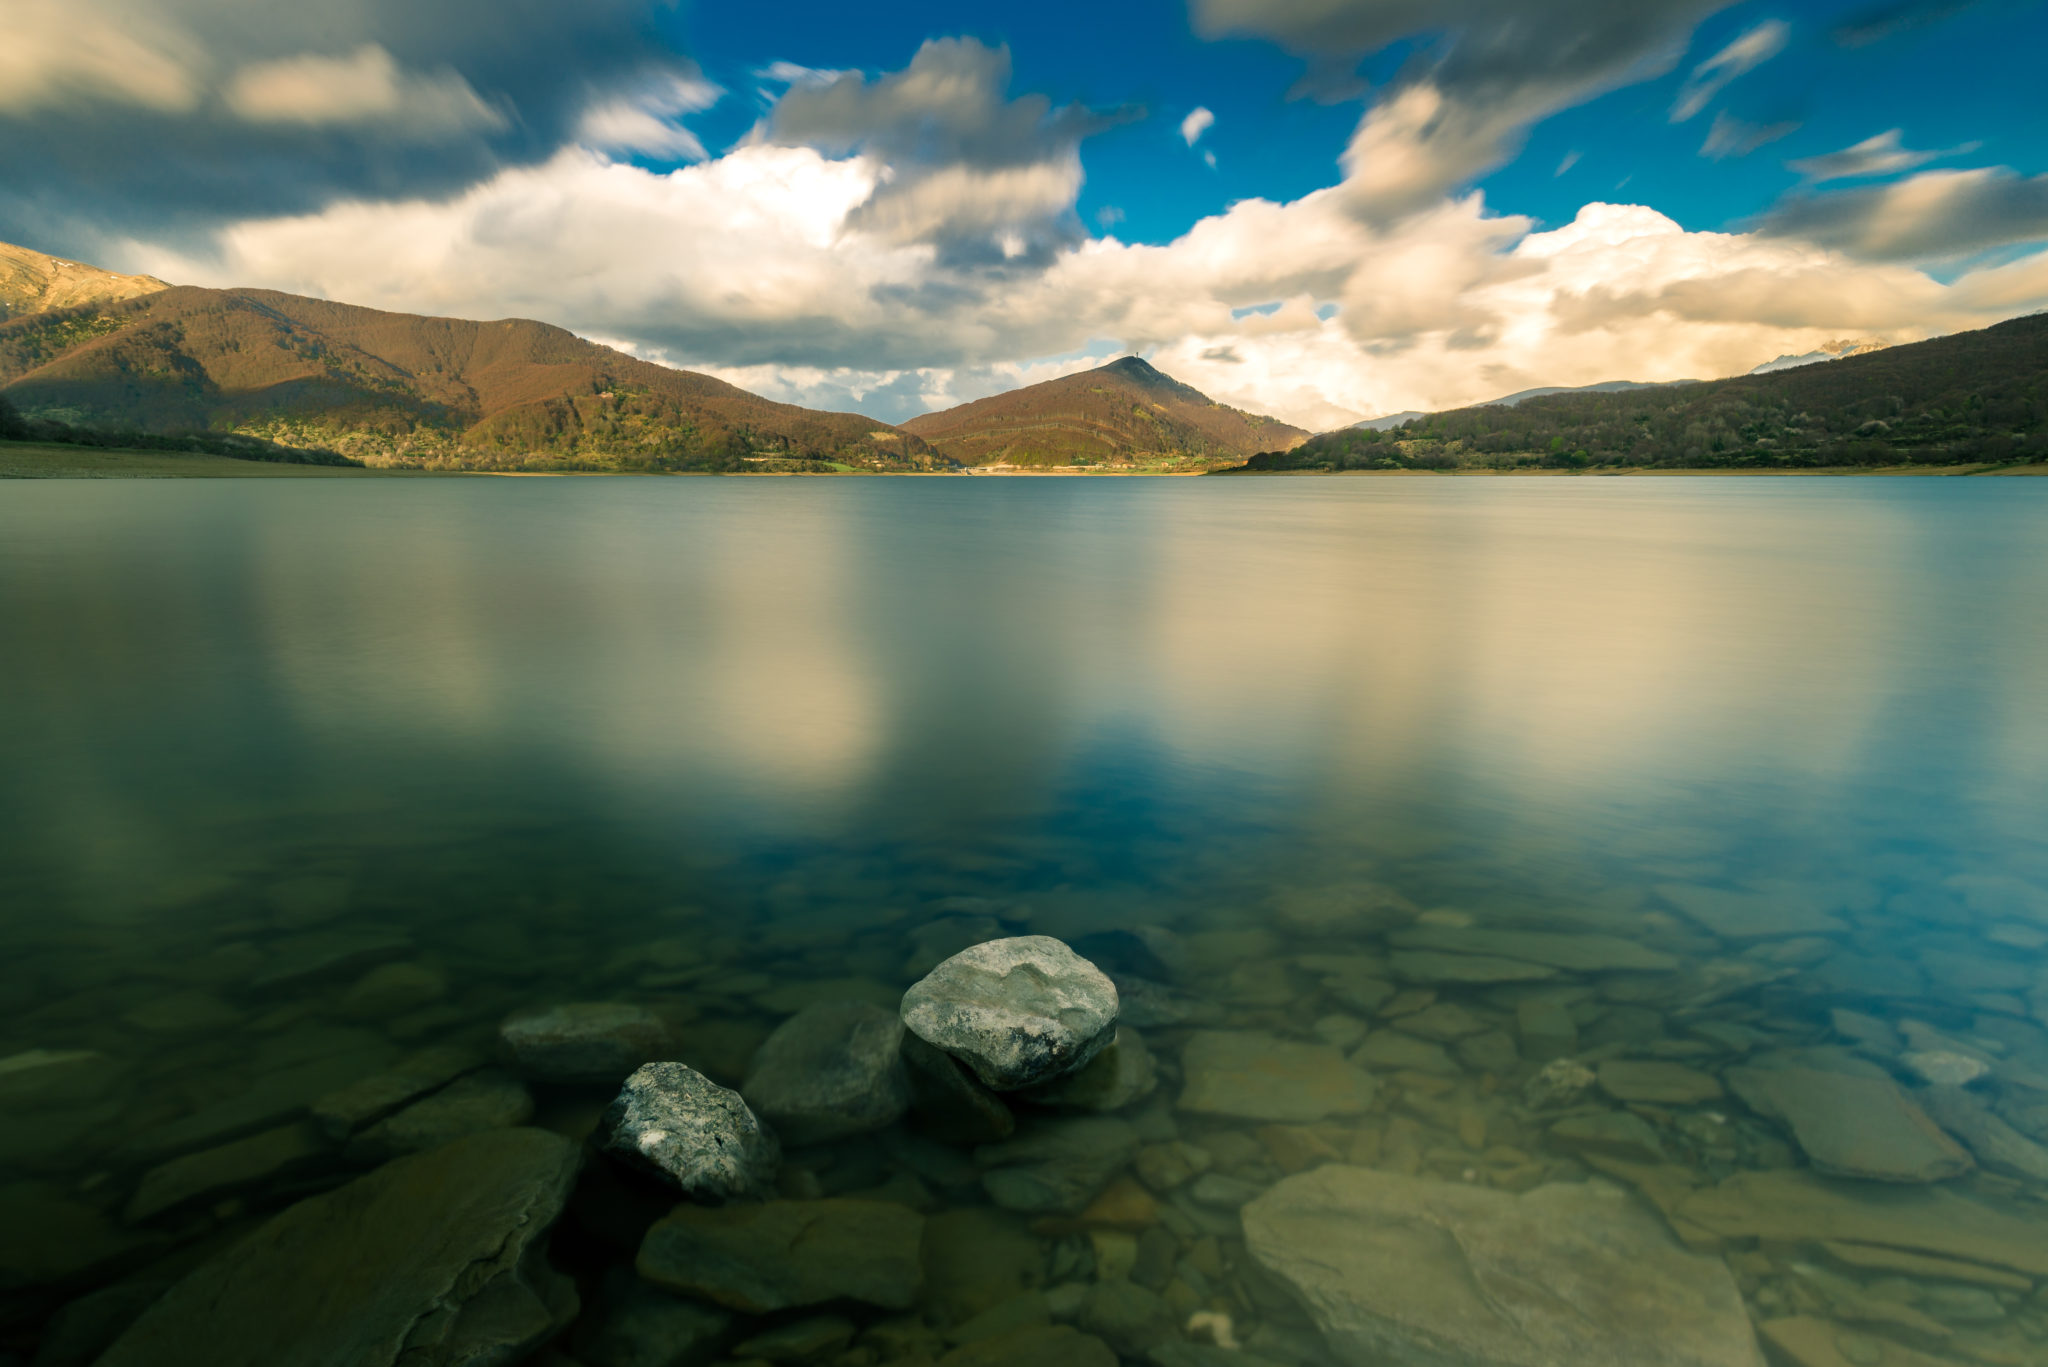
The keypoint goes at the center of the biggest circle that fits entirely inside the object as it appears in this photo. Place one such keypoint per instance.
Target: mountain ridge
(1971, 397)
(1127, 412)
(36, 282)
(396, 388)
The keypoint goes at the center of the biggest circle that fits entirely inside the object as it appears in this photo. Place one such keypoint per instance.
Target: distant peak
(1137, 367)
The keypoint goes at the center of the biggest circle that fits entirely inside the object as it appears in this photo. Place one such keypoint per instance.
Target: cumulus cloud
(365, 88)
(767, 267)
(1740, 57)
(1933, 214)
(175, 114)
(969, 170)
(1484, 72)
(1882, 155)
(1198, 122)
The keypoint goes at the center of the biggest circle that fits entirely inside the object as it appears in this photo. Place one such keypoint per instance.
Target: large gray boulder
(671, 1121)
(1019, 1011)
(832, 1070)
(1404, 1271)
(434, 1260)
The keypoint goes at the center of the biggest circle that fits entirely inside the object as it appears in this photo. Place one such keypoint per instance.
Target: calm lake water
(296, 778)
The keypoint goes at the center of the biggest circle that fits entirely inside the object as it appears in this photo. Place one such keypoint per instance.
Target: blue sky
(889, 208)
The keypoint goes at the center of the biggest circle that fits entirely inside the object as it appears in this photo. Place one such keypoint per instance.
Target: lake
(1502, 838)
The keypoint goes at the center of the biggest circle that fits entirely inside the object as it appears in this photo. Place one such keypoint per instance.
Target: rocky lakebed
(1712, 1127)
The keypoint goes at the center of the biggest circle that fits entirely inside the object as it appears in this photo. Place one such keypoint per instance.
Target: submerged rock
(216, 1172)
(584, 1041)
(1661, 1084)
(1257, 1077)
(1121, 1074)
(779, 1255)
(1574, 953)
(633, 1324)
(1017, 1011)
(1414, 1272)
(1852, 1126)
(1558, 1083)
(1436, 966)
(1998, 1146)
(1057, 1166)
(349, 1108)
(947, 1100)
(672, 1121)
(489, 1100)
(832, 1070)
(1794, 1206)
(434, 1259)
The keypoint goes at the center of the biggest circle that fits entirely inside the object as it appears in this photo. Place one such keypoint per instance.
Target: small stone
(1557, 1084)
(1340, 1031)
(1257, 1077)
(780, 1255)
(1998, 1146)
(1017, 1011)
(1121, 1074)
(1056, 1166)
(633, 1324)
(1126, 1316)
(833, 1070)
(1546, 1028)
(1029, 1311)
(489, 1100)
(212, 1173)
(948, 1101)
(1945, 1068)
(1394, 1051)
(1491, 1051)
(671, 1120)
(1163, 1167)
(1368, 995)
(804, 1341)
(1621, 1134)
(1865, 1030)
(1663, 1084)
(1433, 966)
(1346, 909)
(1225, 1193)
(1443, 1022)
(340, 1113)
(584, 1041)
(1123, 1204)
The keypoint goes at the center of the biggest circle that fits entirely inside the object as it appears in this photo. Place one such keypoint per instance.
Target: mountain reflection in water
(302, 778)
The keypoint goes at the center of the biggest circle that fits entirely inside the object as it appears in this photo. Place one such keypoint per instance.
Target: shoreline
(27, 460)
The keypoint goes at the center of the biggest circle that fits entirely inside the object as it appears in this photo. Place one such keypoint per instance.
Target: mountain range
(87, 351)
(1970, 397)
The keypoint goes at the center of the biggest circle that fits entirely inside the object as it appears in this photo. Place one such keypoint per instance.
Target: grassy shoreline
(33, 460)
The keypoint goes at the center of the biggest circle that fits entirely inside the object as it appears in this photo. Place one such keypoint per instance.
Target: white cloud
(1744, 55)
(1882, 155)
(76, 52)
(647, 121)
(367, 87)
(1733, 137)
(757, 266)
(1198, 122)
